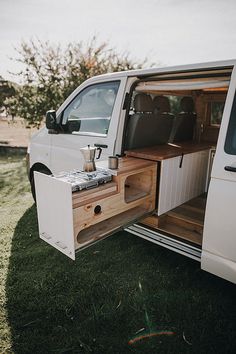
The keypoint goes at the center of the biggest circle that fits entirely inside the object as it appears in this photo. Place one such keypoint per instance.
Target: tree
(50, 73)
(7, 90)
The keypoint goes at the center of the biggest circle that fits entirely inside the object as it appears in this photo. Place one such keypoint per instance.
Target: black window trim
(231, 130)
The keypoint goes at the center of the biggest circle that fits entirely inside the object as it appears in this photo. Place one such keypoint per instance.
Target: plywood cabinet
(72, 221)
(182, 178)
(183, 171)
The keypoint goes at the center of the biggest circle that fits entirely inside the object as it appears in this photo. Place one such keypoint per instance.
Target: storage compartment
(107, 227)
(184, 172)
(138, 186)
(182, 178)
(71, 221)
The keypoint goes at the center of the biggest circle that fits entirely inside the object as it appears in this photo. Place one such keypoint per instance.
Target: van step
(191, 234)
(192, 212)
(176, 217)
(185, 221)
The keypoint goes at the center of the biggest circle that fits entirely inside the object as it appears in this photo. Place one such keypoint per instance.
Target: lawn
(119, 289)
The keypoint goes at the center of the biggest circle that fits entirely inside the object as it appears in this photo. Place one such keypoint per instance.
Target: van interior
(174, 119)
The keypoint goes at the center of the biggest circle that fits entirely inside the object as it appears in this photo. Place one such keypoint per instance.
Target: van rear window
(230, 142)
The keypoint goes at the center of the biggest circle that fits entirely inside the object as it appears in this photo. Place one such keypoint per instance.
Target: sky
(166, 32)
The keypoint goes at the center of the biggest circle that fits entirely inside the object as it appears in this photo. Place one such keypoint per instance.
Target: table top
(126, 164)
(167, 151)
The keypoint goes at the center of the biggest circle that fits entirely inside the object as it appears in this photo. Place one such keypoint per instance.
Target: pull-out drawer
(72, 221)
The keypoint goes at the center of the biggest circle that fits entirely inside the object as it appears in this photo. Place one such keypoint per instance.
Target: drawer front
(80, 198)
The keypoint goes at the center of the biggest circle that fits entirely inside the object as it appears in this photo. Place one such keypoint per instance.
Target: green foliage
(7, 91)
(175, 104)
(50, 73)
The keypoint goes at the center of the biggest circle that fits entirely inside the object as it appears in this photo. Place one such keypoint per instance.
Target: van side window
(90, 112)
(216, 113)
(230, 142)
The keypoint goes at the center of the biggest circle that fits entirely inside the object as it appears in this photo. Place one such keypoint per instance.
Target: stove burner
(80, 180)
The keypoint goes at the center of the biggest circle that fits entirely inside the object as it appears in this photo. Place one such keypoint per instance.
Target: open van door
(219, 235)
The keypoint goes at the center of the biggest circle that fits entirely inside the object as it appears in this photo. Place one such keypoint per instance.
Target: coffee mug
(113, 162)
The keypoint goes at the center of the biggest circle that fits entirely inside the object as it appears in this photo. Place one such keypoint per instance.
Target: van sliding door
(219, 235)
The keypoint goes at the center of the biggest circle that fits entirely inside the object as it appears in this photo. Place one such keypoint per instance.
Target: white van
(181, 120)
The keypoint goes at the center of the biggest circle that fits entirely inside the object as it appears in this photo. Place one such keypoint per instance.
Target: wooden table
(167, 151)
(126, 165)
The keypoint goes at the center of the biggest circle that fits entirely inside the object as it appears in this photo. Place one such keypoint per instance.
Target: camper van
(173, 130)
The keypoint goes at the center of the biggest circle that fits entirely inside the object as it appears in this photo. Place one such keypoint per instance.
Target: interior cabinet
(182, 178)
(72, 221)
(182, 169)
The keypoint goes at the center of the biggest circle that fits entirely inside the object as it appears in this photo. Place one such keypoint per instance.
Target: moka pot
(88, 153)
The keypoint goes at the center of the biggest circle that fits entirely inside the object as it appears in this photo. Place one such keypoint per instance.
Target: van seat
(141, 124)
(183, 129)
(164, 119)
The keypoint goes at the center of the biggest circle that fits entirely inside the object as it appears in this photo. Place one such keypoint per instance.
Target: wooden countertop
(126, 164)
(167, 151)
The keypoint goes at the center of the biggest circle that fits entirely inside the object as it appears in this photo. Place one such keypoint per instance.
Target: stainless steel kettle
(88, 153)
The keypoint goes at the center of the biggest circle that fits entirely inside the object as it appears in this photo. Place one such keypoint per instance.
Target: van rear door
(219, 235)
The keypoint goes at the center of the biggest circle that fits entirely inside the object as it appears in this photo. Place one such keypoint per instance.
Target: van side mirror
(51, 120)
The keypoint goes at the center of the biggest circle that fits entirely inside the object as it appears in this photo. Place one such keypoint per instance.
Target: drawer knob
(97, 209)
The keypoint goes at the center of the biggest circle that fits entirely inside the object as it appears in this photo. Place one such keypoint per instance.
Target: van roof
(225, 64)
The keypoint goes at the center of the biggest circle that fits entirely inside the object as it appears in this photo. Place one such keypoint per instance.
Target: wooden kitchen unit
(183, 175)
(71, 221)
(183, 170)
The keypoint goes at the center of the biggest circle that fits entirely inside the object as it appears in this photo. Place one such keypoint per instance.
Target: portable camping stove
(81, 180)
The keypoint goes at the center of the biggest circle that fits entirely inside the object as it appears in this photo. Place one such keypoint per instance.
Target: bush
(50, 73)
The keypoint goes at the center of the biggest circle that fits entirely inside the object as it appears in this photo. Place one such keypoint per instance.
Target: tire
(44, 170)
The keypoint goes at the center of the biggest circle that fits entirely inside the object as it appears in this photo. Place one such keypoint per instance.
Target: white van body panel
(221, 158)
(40, 147)
(219, 235)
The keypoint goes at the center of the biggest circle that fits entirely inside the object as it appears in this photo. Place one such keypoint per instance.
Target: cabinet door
(55, 216)
(182, 178)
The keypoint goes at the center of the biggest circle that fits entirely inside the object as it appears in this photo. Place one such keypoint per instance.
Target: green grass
(50, 304)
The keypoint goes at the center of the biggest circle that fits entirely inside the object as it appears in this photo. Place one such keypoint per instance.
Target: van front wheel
(42, 169)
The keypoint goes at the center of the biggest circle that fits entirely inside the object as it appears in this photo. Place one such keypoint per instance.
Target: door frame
(219, 242)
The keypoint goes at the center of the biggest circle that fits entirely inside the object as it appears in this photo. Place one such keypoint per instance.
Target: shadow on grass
(94, 305)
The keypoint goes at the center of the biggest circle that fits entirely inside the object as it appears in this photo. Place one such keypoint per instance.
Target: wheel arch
(38, 167)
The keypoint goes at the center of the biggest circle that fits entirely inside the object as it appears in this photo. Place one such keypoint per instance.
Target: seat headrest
(161, 104)
(143, 103)
(187, 104)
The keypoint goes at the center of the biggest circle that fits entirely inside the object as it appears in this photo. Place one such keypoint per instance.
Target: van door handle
(230, 168)
(103, 146)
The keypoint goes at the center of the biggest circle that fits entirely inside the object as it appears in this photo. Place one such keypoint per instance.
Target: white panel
(219, 234)
(178, 185)
(223, 267)
(55, 217)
